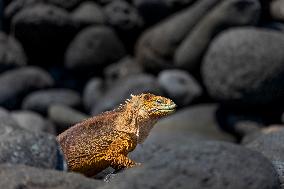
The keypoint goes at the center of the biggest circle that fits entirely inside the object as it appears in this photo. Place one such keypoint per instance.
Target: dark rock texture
(15, 84)
(90, 50)
(239, 69)
(89, 13)
(269, 144)
(19, 146)
(11, 53)
(39, 101)
(44, 31)
(119, 91)
(227, 14)
(20, 176)
(64, 116)
(32, 121)
(157, 45)
(124, 18)
(93, 92)
(179, 86)
(199, 165)
(123, 68)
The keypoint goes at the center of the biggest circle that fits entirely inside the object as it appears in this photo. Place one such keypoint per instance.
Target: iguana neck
(134, 120)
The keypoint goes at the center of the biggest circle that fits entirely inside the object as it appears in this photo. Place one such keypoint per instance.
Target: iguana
(105, 140)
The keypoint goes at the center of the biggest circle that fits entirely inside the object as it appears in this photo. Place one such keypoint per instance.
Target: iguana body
(105, 140)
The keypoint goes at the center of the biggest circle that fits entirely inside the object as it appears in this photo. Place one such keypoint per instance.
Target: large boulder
(93, 49)
(15, 84)
(20, 176)
(201, 164)
(40, 101)
(157, 45)
(44, 31)
(37, 149)
(239, 69)
(227, 14)
(11, 53)
(270, 144)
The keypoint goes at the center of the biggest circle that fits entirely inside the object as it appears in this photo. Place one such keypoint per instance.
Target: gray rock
(39, 101)
(66, 4)
(32, 121)
(123, 68)
(119, 91)
(181, 87)
(93, 92)
(89, 13)
(239, 69)
(198, 120)
(11, 53)
(122, 16)
(20, 176)
(45, 32)
(17, 5)
(229, 13)
(7, 122)
(276, 9)
(15, 84)
(201, 164)
(19, 146)
(269, 144)
(93, 48)
(279, 167)
(157, 45)
(64, 116)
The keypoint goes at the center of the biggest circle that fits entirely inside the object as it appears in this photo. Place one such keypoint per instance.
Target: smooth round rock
(277, 9)
(40, 101)
(227, 14)
(64, 117)
(45, 32)
(240, 70)
(122, 16)
(89, 13)
(119, 91)
(37, 149)
(15, 84)
(200, 165)
(179, 86)
(11, 53)
(21, 176)
(157, 45)
(123, 68)
(93, 92)
(269, 144)
(32, 121)
(93, 48)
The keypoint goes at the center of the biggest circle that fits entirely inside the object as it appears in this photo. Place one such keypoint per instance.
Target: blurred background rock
(221, 61)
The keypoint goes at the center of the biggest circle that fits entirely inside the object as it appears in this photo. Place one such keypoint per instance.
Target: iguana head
(156, 106)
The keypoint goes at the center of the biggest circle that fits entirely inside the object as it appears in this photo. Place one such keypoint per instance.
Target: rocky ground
(221, 61)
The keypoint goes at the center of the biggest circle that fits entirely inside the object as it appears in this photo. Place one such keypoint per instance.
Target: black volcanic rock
(200, 165)
(15, 84)
(44, 31)
(11, 53)
(39, 101)
(157, 45)
(245, 67)
(20, 176)
(93, 49)
(227, 14)
(88, 13)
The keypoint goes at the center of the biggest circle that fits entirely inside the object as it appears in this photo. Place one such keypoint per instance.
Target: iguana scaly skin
(105, 140)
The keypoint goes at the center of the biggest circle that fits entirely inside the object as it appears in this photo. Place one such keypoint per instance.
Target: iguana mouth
(168, 108)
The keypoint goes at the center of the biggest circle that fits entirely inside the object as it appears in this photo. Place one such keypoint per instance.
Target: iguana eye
(159, 101)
